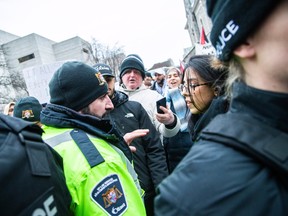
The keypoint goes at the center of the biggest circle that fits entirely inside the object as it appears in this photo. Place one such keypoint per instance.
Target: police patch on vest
(109, 195)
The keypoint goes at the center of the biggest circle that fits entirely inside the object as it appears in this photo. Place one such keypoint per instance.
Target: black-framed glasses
(192, 86)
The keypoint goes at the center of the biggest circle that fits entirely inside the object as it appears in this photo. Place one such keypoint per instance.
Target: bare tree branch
(101, 53)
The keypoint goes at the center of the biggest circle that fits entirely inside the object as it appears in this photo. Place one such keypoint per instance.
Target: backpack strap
(29, 135)
(88, 149)
(249, 135)
(36, 151)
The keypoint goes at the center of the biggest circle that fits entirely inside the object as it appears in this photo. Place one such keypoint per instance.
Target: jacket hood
(251, 100)
(63, 117)
(123, 88)
(119, 98)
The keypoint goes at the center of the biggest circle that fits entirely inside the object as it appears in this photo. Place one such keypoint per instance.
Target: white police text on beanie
(233, 21)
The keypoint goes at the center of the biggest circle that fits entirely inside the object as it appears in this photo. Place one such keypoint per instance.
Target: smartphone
(161, 102)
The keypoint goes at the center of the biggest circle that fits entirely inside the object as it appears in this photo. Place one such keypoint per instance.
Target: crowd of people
(219, 146)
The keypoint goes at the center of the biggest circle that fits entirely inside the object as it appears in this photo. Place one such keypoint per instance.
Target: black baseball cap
(104, 69)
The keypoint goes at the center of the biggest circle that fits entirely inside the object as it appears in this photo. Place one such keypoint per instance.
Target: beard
(161, 82)
(87, 111)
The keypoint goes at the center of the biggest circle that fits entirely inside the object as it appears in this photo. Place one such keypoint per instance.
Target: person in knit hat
(97, 159)
(149, 159)
(132, 74)
(238, 165)
(132, 61)
(28, 109)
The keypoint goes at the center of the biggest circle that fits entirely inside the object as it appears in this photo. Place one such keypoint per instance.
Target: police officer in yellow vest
(97, 161)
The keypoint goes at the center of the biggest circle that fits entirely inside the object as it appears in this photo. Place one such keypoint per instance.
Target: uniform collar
(269, 107)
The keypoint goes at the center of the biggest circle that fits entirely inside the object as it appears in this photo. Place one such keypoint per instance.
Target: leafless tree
(18, 82)
(100, 53)
(7, 93)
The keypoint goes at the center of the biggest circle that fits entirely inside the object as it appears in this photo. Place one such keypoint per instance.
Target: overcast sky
(154, 29)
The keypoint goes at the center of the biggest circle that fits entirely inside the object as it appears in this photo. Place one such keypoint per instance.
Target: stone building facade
(196, 19)
(19, 53)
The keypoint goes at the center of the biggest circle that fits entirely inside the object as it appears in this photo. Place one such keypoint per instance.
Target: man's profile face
(269, 44)
(111, 85)
(99, 107)
(132, 79)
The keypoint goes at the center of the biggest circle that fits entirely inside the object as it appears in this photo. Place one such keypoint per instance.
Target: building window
(26, 58)
(85, 50)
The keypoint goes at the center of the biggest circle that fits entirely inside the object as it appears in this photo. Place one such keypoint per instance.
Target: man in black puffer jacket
(149, 159)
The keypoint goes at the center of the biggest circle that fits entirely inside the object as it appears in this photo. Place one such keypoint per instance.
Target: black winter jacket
(176, 147)
(219, 105)
(218, 179)
(149, 159)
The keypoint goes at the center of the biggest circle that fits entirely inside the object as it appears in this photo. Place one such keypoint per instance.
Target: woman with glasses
(238, 166)
(203, 89)
(178, 146)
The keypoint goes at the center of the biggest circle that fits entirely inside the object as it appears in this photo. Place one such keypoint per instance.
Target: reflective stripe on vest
(90, 152)
(87, 148)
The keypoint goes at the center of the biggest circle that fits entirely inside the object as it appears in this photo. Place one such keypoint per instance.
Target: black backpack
(31, 173)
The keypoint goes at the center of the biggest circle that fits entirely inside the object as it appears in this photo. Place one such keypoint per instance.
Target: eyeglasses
(192, 86)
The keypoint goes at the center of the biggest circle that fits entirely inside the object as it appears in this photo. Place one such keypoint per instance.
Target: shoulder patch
(108, 194)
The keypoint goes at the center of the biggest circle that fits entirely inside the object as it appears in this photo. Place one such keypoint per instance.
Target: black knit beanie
(28, 109)
(132, 61)
(234, 20)
(75, 85)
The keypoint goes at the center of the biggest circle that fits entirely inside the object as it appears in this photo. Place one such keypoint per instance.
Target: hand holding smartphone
(161, 102)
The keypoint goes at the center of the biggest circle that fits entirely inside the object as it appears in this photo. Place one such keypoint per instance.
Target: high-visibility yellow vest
(98, 174)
